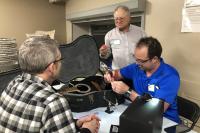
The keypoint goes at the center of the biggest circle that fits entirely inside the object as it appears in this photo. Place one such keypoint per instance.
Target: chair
(188, 110)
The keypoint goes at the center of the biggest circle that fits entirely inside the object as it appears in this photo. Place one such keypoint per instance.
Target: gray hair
(125, 8)
(36, 53)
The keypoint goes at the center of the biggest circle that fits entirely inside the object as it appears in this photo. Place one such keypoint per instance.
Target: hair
(36, 53)
(125, 8)
(153, 45)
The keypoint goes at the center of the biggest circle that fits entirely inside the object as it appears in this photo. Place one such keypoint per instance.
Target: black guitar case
(79, 68)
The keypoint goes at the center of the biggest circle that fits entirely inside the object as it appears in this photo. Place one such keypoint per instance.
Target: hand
(92, 125)
(119, 87)
(108, 77)
(88, 118)
(103, 50)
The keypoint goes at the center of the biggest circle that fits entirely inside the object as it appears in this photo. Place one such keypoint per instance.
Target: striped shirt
(29, 104)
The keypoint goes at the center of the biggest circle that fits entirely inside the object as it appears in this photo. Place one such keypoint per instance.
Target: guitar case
(84, 89)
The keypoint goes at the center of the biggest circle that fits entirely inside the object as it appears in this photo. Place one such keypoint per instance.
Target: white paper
(190, 3)
(191, 16)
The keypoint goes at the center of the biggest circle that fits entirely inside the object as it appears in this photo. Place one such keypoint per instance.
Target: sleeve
(57, 117)
(168, 88)
(84, 130)
(107, 40)
(129, 71)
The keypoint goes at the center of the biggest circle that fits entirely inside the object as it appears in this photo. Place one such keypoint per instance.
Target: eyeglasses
(58, 60)
(119, 18)
(54, 62)
(141, 61)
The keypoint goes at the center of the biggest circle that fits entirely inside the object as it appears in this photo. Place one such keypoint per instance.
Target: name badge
(115, 42)
(152, 87)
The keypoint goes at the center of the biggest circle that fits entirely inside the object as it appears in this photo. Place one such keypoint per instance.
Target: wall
(73, 6)
(19, 17)
(163, 21)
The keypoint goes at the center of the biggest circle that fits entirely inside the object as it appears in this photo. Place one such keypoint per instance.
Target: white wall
(18, 17)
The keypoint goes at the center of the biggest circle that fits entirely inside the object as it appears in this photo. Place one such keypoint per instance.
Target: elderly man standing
(121, 40)
(30, 104)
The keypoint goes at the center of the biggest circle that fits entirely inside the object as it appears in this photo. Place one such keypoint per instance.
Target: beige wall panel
(19, 17)
(80, 30)
(73, 6)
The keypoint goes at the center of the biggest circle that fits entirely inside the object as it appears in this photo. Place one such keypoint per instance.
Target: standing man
(121, 40)
(151, 75)
(30, 104)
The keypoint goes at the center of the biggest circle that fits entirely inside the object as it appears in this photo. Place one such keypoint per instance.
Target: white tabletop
(108, 119)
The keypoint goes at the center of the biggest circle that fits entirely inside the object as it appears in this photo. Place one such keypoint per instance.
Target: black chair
(188, 110)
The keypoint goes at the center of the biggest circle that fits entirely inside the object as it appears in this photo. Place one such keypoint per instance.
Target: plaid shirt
(29, 104)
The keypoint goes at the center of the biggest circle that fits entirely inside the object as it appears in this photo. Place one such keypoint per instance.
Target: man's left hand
(119, 87)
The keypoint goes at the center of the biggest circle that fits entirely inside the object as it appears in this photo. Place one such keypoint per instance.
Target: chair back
(189, 110)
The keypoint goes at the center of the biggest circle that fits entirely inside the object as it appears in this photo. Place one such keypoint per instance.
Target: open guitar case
(79, 70)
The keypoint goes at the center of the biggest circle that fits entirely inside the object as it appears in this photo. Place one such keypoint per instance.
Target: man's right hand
(112, 76)
(103, 50)
(92, 125)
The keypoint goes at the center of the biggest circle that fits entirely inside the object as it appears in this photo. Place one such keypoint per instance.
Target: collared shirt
(164, 84)
(122, 45)
(29, 104)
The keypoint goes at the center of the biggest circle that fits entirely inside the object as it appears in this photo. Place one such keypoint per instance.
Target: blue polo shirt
(164, 84)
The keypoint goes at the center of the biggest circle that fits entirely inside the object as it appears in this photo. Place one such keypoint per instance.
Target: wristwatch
(128, 92)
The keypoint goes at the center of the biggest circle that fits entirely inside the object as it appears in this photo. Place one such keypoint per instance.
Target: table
(113, 118)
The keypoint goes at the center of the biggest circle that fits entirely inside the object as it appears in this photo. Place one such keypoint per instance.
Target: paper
(190, 3)
(191, 16)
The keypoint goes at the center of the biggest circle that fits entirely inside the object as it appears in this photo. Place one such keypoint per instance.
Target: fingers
(96, 117)
(108, 77)
(89, 118)
(103, 47)
(92, 125)
(103, 50)
(119, 87)
(96, 125)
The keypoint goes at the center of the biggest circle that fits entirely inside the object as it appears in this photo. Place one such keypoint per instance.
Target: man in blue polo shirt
(150, 74)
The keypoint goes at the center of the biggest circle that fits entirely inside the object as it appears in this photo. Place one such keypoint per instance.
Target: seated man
(29, 104)
(150, 74)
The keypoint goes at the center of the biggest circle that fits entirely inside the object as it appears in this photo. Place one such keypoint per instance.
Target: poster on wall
(191, 16)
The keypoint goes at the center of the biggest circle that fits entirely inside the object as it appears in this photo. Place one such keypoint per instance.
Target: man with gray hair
(121, 40)
(30, 104)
